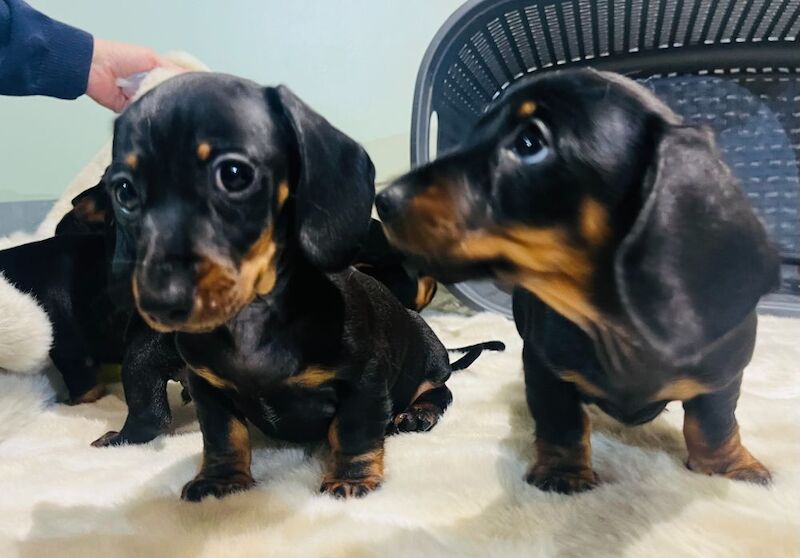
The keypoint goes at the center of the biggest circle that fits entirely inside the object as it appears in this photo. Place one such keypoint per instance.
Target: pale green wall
(353, 60)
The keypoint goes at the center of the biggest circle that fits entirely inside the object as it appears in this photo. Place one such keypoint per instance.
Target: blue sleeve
(41, 56)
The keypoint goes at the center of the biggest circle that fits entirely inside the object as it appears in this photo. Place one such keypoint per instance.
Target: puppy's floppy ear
(334, 189)
(91, 206)
(90, 212)
(697, 259)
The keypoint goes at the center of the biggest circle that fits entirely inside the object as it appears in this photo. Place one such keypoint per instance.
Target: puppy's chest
(623, 378)
(269, 382)
(242, 364)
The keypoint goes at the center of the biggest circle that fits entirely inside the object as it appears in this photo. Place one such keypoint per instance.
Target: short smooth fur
(637, 261)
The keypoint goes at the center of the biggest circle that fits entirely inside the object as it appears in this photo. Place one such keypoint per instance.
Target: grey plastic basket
(730, 64)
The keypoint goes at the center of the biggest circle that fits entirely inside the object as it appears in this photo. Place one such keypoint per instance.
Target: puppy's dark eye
(125, 195)
(531, 144)
(234, 175)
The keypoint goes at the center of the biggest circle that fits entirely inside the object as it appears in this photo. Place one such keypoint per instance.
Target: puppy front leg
(712, 437)
(563, 448)
(226, 444)
(150, 358)
(356, 437)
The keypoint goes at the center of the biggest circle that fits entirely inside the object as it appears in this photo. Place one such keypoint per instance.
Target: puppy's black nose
(391, 202)
(170, 301)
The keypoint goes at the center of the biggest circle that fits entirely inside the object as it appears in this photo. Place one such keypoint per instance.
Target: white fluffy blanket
(455, 491)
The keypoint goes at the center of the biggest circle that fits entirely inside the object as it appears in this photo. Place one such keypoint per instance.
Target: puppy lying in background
(93, 319)
(637, 260)
(66, 275)
(242, 208)
(388, 265)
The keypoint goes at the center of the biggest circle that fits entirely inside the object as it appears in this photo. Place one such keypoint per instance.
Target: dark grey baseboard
(22, 216)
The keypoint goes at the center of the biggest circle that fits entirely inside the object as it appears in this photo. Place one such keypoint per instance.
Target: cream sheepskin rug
(455, 491)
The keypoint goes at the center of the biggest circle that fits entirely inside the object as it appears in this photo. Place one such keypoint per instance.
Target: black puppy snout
(391, 202)
(166, 294)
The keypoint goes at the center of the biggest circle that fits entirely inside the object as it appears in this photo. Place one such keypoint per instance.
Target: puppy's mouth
(452, 252)
(221, 290)
(188, 327)
(217, 299)
(432, 230)
(424, 235)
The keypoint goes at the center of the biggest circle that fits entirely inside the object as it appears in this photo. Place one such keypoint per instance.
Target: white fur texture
(25, 331)
(455, 491)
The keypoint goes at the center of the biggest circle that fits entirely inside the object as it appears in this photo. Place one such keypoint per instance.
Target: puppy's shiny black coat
(637, 261)
(101, 325)
(241, 208)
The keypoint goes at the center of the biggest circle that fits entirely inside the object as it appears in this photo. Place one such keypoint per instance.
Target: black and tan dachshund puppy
(637, 262)
(116, 334)
(93, 317)
(242, 208)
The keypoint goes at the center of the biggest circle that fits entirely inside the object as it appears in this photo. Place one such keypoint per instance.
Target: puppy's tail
(25, 331)
(473, 352)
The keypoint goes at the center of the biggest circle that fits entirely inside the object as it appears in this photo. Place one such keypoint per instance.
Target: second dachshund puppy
(636, 259)
(242, 208)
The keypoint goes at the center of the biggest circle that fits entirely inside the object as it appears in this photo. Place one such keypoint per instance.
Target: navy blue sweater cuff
(43, 56)
(64, 70)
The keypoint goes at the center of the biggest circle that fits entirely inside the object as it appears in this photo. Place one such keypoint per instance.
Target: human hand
(112, 60)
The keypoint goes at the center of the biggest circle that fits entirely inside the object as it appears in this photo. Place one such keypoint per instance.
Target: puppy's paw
(350, 488)
(200, 487)
(90, 396)
(563, 482)
(757, 475)
(136, 435)
(111, 438)
(747, 470)
(417, 418)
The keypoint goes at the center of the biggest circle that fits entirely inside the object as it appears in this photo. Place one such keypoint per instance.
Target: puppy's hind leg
(432, 397)
(424, 412)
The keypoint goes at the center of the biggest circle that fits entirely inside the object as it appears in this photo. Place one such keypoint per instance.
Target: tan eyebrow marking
(132, 160)
(283, 193)
(526, 109)
(203, 151)
(594, 222)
